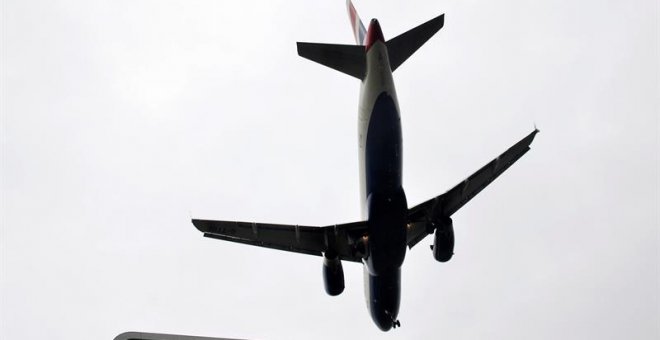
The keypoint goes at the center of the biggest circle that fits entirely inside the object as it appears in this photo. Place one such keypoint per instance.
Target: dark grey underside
(387, 211)
(383, 147)
(385, 293)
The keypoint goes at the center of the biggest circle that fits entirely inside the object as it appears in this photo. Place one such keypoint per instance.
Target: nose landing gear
(395, 323)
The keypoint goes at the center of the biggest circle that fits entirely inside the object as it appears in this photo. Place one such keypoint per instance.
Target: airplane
(388, 226)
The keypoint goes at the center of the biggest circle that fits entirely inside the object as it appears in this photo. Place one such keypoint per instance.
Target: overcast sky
(122, 119)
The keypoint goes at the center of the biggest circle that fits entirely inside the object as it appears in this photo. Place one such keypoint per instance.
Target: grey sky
(121, 119)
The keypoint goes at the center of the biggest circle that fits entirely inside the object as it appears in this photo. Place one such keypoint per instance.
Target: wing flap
(415, 233)
(305, 239)
(264, 244)
(295, 238)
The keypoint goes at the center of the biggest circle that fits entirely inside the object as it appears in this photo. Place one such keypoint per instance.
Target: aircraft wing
(448, 203)
(295, 238)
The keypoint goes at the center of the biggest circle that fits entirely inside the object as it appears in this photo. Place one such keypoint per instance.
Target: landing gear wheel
(395, 323)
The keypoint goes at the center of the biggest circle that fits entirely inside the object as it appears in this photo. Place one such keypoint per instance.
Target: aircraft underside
(388, 227)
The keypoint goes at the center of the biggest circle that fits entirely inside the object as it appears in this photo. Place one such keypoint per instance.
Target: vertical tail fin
(356, 24)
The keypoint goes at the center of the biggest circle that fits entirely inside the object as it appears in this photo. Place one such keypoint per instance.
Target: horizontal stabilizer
(349, 59)
(403, 46)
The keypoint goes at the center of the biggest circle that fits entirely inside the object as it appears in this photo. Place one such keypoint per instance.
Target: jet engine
(443, 243)
(333, 274)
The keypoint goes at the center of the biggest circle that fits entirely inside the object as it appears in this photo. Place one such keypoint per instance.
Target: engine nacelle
(443, 243)
(333, 275)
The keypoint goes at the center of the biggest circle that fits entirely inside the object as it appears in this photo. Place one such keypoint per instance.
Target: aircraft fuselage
(384, 205)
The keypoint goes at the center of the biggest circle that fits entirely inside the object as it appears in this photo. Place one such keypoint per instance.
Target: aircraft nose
(384, 324)
(384, 320)
(374, 33)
